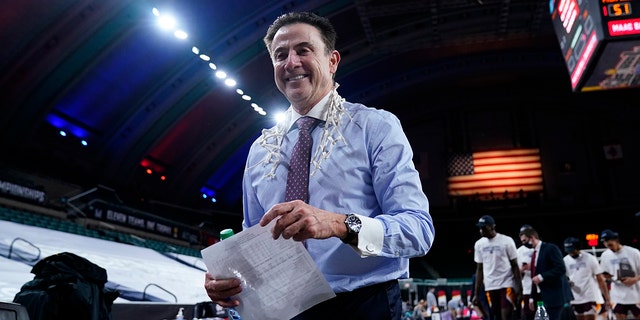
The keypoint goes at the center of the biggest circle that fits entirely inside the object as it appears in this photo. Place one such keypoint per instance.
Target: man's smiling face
(303, 69)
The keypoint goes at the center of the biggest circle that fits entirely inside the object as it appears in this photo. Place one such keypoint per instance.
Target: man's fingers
(226, 303)
(221, 290)
(277, 211)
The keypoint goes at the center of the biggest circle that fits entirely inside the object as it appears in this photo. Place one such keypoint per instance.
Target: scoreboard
(600, 42)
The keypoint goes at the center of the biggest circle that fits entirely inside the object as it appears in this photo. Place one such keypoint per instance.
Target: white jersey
(524, 256)
(582, 273)
(629, 259)
(495, 255)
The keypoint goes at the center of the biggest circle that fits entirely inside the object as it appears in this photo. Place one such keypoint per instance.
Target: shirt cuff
(370, 237)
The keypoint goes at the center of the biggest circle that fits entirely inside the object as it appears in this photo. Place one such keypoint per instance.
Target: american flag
(495, 172)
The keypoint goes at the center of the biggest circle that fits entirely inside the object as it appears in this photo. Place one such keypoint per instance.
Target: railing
(29, 243)
(144, 293)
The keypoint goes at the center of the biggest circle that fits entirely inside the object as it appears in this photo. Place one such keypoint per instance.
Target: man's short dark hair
(528, 231)
(321, 23)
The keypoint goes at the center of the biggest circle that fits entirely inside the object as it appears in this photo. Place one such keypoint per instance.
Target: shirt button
(370, 247)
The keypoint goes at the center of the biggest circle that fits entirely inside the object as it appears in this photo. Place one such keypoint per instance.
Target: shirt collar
(537, 248)
(319, 111)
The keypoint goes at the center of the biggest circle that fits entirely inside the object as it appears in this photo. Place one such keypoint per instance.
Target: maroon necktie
(533, 263)
(298, 178)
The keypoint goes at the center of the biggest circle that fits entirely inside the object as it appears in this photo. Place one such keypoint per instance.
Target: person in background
(407, 310)
(455, 305)
(366, 214)
(621, 265)
(586, 280)
(548, 274)
(497, 268)
(432, 300)
(524, 260)
(420, 310)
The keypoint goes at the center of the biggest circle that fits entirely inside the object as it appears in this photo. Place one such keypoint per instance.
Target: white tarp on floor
(130, 269)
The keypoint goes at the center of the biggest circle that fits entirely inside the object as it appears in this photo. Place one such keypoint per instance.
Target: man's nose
(293, 60)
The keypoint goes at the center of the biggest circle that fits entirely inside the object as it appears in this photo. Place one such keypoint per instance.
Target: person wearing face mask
(548, 274)
(497, 268)
(586, 280)
(524, 261)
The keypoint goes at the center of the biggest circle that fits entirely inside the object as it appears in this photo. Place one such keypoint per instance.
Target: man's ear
(334, 60)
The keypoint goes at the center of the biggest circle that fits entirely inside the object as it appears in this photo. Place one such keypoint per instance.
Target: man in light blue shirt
(367, 214)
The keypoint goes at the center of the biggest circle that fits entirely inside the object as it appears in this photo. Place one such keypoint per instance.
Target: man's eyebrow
(305, 44)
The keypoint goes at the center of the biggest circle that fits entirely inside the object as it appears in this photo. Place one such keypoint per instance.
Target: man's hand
(220, 290)
(628, 281)
(300, 221)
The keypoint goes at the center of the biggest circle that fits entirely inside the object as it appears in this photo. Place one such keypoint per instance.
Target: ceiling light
(280, 117)
(167, 22)
(180, 34)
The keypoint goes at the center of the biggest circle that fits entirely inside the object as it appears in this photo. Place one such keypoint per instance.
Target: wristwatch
(353, 224)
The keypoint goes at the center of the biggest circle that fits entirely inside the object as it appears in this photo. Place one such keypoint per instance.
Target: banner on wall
(142, 221)
(21, 191)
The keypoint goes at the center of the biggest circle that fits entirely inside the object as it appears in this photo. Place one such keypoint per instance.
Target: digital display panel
(600, 42)
(578, 27)
(620, 18)
(618, 9)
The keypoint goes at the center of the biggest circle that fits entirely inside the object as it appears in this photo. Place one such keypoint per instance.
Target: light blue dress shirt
(367, 171)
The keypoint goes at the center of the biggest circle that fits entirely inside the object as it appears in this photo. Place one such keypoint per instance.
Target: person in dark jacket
(548, 274)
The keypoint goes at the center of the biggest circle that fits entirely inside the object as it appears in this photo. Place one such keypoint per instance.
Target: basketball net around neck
(271, 139)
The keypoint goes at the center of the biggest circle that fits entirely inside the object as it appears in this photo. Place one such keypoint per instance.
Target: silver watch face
(354, 223)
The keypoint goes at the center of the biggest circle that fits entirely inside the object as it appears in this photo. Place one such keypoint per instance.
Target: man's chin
(295, 95)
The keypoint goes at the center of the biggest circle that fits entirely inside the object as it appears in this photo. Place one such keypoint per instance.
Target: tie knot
(305, 123)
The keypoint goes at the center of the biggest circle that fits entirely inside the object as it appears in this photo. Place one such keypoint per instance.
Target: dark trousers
(554, 312)
(527, 313)
(376, 302)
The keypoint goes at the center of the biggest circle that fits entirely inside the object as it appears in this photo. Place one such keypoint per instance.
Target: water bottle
(180, 315)
(226, 233)
(232, 312)
(541, 312)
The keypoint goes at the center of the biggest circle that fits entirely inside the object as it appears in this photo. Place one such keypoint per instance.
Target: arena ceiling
(104, 72)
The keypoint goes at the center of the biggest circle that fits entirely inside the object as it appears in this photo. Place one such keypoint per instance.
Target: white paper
(279, 278)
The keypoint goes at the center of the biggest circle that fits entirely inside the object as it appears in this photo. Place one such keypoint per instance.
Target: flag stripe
(496, 182)
(499, 171)
(485, 191)
(494, 175)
